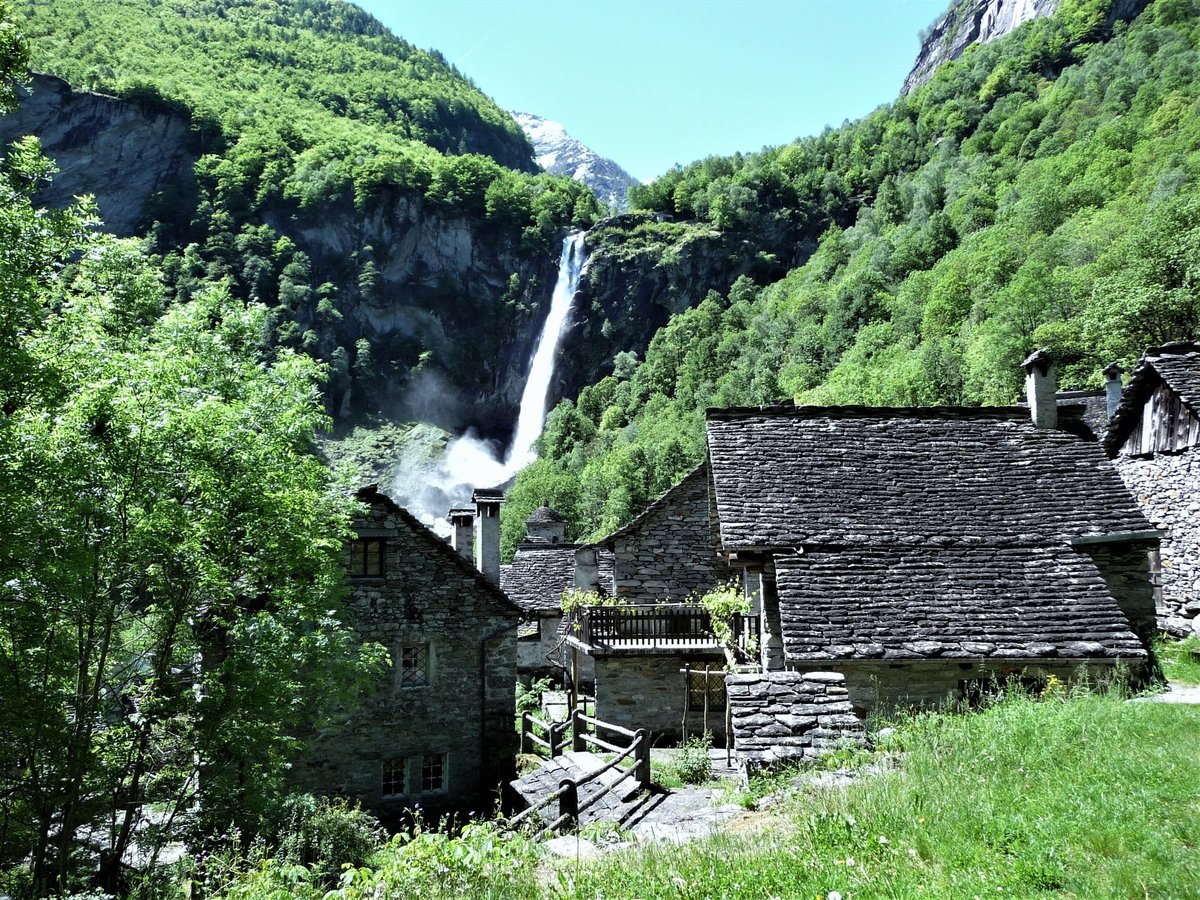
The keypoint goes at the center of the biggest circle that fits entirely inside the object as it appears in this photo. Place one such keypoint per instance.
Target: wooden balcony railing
(655, 626)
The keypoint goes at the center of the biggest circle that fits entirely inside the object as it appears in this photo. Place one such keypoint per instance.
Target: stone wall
(647, 691)
(790, 716)
(1167, 487)
(668, 554)
(429, 598)
(1126, 569)
(882, 687)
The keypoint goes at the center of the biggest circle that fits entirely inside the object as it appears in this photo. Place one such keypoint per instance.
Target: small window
(414, 665)
(393, 777)
(433, 772)
(699, 684)
(366, 558)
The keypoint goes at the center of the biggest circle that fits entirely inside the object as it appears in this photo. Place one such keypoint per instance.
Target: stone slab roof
(940, 476)
(967, 603)
(1178, 365)
(545, 513)
(539, 573)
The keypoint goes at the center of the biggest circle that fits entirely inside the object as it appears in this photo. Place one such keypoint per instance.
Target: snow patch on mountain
(559, 153)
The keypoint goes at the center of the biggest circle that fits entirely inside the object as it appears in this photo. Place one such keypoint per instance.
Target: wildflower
(849, 860)
(883, 840)
(834, 895)
(912, 852)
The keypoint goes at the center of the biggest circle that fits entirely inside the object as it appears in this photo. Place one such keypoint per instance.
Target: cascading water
(470, 462)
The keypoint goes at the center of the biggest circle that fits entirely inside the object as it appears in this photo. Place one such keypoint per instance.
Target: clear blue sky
(651, 83)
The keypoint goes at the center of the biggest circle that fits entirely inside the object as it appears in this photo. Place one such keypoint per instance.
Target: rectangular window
(414, 665)
(366, 558)
(699, 684)
(433, 772)
(393, 777)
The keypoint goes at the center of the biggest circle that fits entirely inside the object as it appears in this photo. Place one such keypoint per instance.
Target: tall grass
(1070, 796)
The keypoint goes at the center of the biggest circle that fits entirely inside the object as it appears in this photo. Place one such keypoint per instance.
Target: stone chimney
(1041, 388)
(462, 524)
(546, 526)
(487, 521)
(587, 569)
(1113, 386)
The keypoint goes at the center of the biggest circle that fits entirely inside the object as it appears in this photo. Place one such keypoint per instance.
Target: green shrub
(324, 835)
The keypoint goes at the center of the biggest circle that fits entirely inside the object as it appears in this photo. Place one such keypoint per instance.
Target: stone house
(438, 731)
(542, 569)
(1153, 439)
(924, 552)
(650, 656)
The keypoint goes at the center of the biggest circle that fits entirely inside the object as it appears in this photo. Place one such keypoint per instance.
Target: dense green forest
(302, 113)
(1040, 191)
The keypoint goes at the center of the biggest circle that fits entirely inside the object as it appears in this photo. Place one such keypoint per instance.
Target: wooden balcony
(653, 628)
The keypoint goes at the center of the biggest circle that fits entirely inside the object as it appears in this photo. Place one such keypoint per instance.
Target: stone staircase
(620, 805)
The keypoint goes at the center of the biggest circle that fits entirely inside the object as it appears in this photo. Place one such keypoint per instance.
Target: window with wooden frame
(433, 772)
(700, 683)
(414, 665)
(366, 557)
(394, 777)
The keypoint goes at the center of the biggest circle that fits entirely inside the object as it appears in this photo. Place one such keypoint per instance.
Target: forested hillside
(1039, 191)
(364, 189)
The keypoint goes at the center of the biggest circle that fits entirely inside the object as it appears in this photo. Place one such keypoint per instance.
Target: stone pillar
(1112, 386)
(772, 629)
(462, 523)
(1041, 387)
(487, 522)
(587, 569)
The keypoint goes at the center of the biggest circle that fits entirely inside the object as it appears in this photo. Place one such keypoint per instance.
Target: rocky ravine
(559, 153)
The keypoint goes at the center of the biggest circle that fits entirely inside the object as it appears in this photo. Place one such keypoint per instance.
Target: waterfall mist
(429, 487)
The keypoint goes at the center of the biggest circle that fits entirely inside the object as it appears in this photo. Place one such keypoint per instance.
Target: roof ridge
(861, 411)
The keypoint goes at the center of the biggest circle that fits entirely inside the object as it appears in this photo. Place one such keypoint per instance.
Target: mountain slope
(1042, 190)
(559, 153)
(386, 208)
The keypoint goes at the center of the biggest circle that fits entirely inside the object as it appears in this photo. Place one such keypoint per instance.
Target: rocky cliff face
(559, 153)
(118, 151)
(451, 322)
(969, 22)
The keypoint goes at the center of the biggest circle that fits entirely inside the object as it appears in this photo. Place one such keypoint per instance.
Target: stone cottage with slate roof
(659, 560)
(543, 567)
(1153, 438)
(439, 730)
(922, 551)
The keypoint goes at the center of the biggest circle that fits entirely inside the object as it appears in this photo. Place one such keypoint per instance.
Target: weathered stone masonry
(1167, 488)
(790, 716)
(432, 604)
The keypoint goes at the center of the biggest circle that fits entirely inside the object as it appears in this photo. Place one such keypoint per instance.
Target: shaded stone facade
(647, 691)
(667, 554)
(1167, 487)
(790, 716)
(439, 729)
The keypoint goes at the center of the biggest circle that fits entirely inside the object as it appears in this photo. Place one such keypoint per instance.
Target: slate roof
(939, 476)
(1177, 364)
(539, 573)
(921, 603)
(545, 514)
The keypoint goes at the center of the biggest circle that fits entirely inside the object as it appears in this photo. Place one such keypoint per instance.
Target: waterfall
(537, 386)
(470, 462)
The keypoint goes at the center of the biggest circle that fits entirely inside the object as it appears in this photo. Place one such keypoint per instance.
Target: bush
(325, 834)
(691, 763)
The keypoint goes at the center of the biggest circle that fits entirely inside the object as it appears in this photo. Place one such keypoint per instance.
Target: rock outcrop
(559, 153)
(120, 152)
(969, 22)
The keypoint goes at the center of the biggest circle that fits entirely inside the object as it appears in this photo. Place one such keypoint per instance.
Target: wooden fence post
(568, 801)
(556, 732)
(642, 757)
(524, 747)
(577, 731)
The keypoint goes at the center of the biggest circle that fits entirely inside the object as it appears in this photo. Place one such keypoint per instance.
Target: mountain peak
(559, 153)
